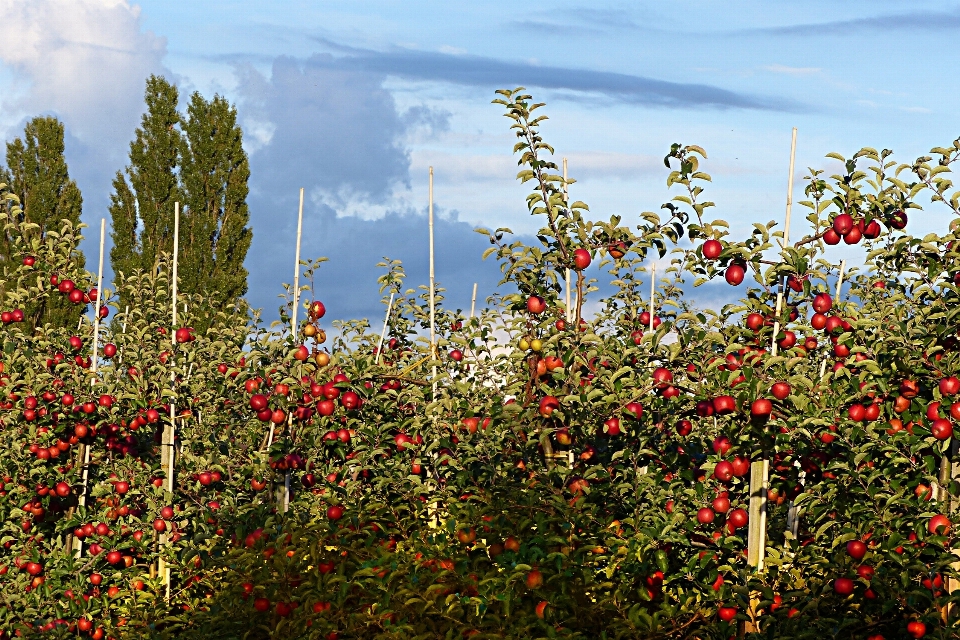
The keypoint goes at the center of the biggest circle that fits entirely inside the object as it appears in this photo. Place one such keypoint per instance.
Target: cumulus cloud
(83, 60)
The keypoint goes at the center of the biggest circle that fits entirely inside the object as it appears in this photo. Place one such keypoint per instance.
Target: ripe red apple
(711, 249)
(939, 525)
(721, 444)
(721, 504)
(831, 237)
(761, 408)
(871, 230)
(534, 579)
(754, 321)
(916, 629)
(843, 223)
(262, 605)
(737, 518)
(780, 390)
(634, 409)
(581, 259)
(705, 515)
(856, 549)
(612, 427)
(898, 220)
(950, 386)
(734, 274)
(822, 303)
(258, 402)
(865, 572)
(857, 412)
(548, 404)
(662, 376)
(536, 305)
(854, 236)
(741, 466)
(843, 586)
(723, 471)
(724, 405)
(941, 429)
(334, 512)
(727, 614)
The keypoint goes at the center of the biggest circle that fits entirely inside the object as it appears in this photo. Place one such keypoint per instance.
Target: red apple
(711, 249)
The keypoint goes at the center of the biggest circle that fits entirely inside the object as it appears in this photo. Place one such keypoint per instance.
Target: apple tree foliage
(555, 479)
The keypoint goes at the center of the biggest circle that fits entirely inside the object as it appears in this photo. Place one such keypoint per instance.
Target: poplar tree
(37, 173)
(196, 159)
(214, 175)
(141, 206)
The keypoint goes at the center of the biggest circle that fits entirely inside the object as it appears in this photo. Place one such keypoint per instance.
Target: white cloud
(83, 60)
(793, 71)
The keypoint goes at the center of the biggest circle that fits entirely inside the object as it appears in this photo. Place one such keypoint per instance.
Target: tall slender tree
(141, 206)
(199, 161)
(37, 173)
(214, 176)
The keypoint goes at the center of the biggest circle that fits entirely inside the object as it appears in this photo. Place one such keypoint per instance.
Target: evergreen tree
(37, 173)
(199, 161)
(141, 206)
(214, 176)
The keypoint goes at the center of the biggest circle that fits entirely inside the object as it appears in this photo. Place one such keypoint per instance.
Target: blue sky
(354, 100)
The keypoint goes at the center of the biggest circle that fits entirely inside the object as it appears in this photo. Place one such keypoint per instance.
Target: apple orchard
(540, 474)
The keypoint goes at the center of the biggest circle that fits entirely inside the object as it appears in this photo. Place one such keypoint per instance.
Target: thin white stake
(96, 315)
(433, 310)
(566, 201)
(296, 268)
(760, 469)
(473, 300)
(383, 334)
(836, 300)
(653, 292)
(784, 243)
(170, 430)
(293, 332)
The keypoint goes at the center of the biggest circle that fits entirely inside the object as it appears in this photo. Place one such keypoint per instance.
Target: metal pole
(473, 300)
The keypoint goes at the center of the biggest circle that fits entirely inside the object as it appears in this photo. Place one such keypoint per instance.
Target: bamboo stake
(293, 332)
(96, 314)
(383, 334)
(84, 452)
(169, 441)
(296, 295)
(433, 310)
(836, 297)
(296, 269)
(760, 470)
(784, 242)
(566, 201)
(653, 292)
(126, 312)
(473, 300)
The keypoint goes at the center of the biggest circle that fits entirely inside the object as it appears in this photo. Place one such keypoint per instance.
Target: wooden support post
(757, 521)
